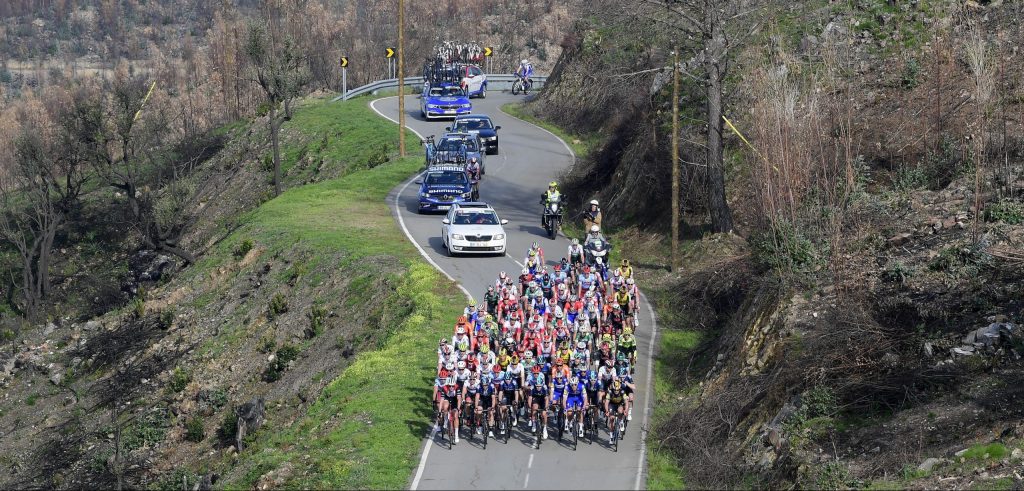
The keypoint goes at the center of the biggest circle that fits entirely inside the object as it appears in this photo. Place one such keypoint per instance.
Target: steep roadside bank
(309, 319)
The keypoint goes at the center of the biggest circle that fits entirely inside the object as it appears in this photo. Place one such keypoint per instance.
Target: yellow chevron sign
(389, 52)
(488, 51)
(344, 61)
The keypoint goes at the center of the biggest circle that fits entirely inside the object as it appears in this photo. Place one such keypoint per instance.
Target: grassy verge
(366, 427)
(581, 145)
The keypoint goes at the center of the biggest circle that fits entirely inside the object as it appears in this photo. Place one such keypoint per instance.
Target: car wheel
(483, 92)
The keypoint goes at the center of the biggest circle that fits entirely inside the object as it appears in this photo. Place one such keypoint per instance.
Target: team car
(473, 80)
(457, 147)
(481, 126)
(444, 100)
(473, 227)
(443, 186)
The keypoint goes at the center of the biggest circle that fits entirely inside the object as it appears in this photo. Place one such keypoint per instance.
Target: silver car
(473, 228)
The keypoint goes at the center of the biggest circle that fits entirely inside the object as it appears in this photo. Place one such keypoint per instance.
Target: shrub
(317, 318)
(267, 344)
(278, 305)
(180, 379)
(911, 73)
(166, 318)
(194, 429)
(228, 429)
(1006, 211)
(786, 248)
(149, 429)
(819, 401)
(243, 248)
(139, 307)
(285, 355)
(896, 271)
(7, 334)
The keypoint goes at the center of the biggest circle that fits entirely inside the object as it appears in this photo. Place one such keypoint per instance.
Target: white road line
(526, 483)
(530, 463)
(650, 379)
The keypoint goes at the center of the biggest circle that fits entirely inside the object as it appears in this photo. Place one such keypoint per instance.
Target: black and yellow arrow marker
(344, 61)
(389, 52)
(488, 51)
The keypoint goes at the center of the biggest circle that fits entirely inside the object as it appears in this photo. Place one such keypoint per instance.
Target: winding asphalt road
(529, 158)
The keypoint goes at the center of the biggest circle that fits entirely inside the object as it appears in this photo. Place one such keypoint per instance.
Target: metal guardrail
(495, 81)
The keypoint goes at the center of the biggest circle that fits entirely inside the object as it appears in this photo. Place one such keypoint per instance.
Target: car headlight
(431, 106)
(458, 237)
(467, 105)
(424, 195)
(490, 138)
(499, 237)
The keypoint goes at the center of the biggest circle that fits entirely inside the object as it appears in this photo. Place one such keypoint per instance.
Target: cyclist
(461, 340)
(614, 401)
(487, 399)
(510, 393)
(471, 394)
(616, 318)
(538, 393)
(586, 280)
(546, 198)
(491, 299)
(627, 344)
(624, 300)
(627, 386)
(575, 253)
(582, 353)
(536, 250)
(473, 170)
(559, 381)
(525, 71)
(625, 269)
(446, 392)
(575, 401)
(605, 374)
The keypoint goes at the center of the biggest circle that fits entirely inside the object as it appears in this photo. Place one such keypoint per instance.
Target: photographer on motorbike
(592, 215)
(550, 195)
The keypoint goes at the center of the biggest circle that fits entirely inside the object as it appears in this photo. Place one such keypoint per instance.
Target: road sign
(488, 51)
(344, 62)
(389, 52)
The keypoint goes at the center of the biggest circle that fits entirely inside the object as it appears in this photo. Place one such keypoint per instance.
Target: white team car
(473, 228)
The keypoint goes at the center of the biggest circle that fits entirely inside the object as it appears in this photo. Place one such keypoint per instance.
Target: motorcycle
(595, 249)
(521, 84)
(553, 216)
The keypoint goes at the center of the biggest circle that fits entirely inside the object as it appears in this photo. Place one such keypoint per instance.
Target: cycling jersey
(615, 396)
(586, 281)
(537, 385)
(461, 343)
(558, 385)
(623, 299)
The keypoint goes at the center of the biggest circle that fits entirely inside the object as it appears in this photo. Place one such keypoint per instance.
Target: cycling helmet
(533, 284)
(584, 328)
(484, 349)
(617, 273)
(528, 354)
(625, 262)
(535, 245)
(617, 384)
(627, 330)
(590, 294)
(461, 319)
(533, 253)
(594, 229)
(536, 369)
(525, 62)
(446, 348)
(629, 281)
(586, 269)
(608, 362)
(574, 380)
(490, 288)
(575, 242)
(622, 289)
(472, 160)
(503, 352)
(593, 202)
(616, 306)
(559, 361)
(509, 340)
(451, 380)
(515, 358)
(600, 261)
(496, 368)
(449, 366)
(462, 364)
(502, 275)
(526, 271)
(460, 329)
(558, 267)
(581, 345)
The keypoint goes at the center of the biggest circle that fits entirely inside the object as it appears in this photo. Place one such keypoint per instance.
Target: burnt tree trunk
(715, 64)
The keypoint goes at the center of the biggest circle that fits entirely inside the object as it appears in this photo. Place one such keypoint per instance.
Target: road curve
(529, 158)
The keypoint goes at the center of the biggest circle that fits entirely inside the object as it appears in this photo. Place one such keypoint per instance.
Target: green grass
(581, 145)
(663, 471)
(992, 451)
(366, 427)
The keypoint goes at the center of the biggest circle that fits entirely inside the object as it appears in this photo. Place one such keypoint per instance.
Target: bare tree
(711, 30)
(280, 70)
(38, 195)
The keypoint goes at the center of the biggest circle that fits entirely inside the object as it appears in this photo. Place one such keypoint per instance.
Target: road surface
(529, 158)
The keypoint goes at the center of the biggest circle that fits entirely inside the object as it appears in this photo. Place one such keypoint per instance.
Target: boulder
(250, 418)
(928, 464)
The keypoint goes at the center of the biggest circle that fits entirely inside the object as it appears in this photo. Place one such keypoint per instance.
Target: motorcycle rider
(595, 239)
(525, 71)
(592, 215)
(550, 195)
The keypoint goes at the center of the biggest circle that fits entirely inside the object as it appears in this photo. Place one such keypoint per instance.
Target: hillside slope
(295, 305)
(862, 327)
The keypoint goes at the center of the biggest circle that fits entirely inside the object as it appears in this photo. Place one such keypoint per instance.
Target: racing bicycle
(521, 84)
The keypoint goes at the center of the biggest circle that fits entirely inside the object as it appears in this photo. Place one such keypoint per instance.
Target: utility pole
(675, 159)
(401, 78)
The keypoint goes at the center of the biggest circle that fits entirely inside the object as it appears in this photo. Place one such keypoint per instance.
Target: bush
(285, 355)
(911, 73)
(149, 429)
(139, 307)
(896, 271)
(267, 344)
(228, 429)
(278, 305)
(194, 429)
(180, 379)
(819, 401)
(166, 318)
(7, 334)
(1006, 211)
(242, 249)
(786, 248)
(317, 318)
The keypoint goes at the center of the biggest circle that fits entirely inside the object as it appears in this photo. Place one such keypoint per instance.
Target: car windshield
(445, 91)
(476, 218)
(473, 124)
(446, 177)
(453, 144)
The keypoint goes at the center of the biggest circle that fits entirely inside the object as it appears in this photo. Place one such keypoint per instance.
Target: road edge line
(408, 235)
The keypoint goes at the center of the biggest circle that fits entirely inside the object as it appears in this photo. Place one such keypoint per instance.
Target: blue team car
(444, 100)
(442, 186)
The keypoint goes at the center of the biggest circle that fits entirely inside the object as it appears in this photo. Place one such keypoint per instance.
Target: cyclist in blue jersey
(538, 390)
(558, 384)
(509, 393)
(575, 401)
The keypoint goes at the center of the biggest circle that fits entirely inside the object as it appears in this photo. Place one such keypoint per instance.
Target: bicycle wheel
(449, 430)
(615, 433)
(537, 432)
(508, 425)
(483, 427)
(515, 88)
(575, 429)
(560, 421)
